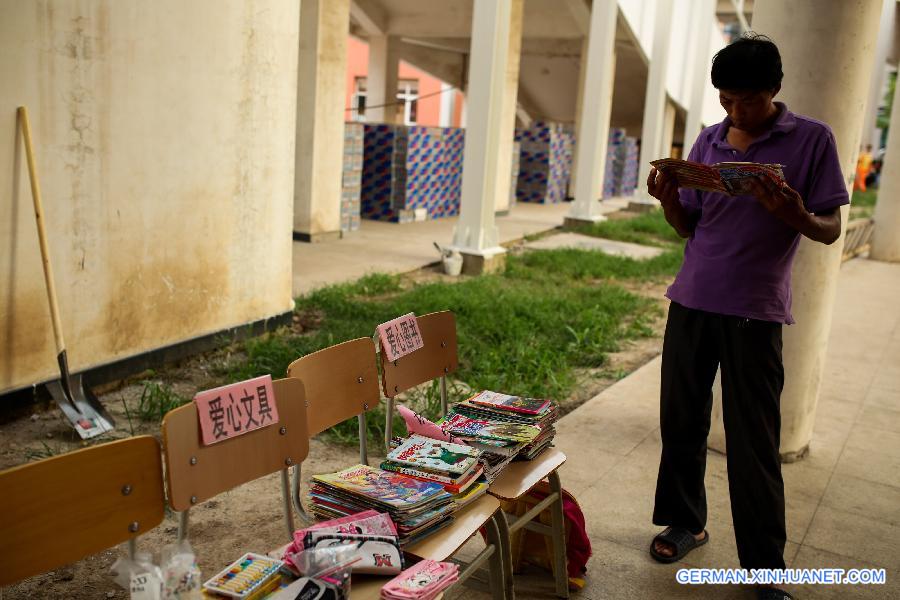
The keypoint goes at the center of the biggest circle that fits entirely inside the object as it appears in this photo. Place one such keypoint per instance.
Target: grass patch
(862, 204)
(156, 400)
(523, 331)
(650, 229)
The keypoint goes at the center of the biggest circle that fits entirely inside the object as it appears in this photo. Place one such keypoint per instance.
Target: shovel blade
(81, 408)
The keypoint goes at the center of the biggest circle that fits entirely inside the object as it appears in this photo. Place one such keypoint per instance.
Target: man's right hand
(663, 187)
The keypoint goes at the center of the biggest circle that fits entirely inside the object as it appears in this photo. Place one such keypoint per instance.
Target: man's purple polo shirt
(738, 262)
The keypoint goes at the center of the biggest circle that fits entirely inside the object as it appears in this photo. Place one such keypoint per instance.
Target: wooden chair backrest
(341, 382)
(436, 358)
(63, 508)
(196, 473)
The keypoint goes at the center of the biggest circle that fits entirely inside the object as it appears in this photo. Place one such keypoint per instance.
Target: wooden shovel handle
(22, 113)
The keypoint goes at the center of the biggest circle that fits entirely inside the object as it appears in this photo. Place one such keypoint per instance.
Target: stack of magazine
(417, 507)
(454, 466)
(493, 406)
(502, 426)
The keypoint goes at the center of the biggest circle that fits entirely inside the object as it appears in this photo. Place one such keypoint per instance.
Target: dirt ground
(247, 518)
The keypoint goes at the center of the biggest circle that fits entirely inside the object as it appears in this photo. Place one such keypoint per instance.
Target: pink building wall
(428, 109)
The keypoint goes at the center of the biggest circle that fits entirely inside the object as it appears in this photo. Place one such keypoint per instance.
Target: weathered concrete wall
(165, 142)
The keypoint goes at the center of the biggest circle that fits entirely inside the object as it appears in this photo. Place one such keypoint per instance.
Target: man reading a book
(730, 300)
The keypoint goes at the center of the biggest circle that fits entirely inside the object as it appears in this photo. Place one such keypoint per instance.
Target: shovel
(79, 405)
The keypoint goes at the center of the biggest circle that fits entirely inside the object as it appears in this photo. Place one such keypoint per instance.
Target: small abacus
(246, 577)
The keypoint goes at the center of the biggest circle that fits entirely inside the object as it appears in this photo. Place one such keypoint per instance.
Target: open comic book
(731, 178)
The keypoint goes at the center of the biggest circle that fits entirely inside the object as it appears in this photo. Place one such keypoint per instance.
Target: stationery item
(519, 404)
(330, 565)
(421, 452)
(422, 581)
(310, 588)
(247, 578)
(374, 554)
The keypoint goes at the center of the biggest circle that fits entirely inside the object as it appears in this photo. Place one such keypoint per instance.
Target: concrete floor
(346, 259)
(843, 500)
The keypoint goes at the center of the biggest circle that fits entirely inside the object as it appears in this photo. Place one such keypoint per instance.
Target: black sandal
(770, 593)
(679, 538)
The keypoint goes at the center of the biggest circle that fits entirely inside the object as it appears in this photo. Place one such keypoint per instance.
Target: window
(407, 100)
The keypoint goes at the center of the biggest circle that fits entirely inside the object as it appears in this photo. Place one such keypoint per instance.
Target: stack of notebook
(417, 507)
(454, 466)
(504, 426)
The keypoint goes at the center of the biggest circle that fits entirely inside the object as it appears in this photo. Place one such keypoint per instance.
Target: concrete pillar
(703, 13)
(381, 81)
(579, 95)
(596, 104)
(667, 132)
(886, 237)
(320, 118)
(886, 32)
(655, 101)
(508, 115)
(476, 235)
(448, 105)
(827, 50)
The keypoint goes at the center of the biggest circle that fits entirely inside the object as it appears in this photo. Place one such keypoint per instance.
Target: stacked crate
(351, 176)
(411, 173)
(620, 177)
(629, 155)
(545, 162)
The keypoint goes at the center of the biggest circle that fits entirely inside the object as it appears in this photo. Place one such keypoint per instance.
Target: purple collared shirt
(738, 261)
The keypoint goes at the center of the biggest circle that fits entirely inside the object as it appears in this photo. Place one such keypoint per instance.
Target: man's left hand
(780, 199)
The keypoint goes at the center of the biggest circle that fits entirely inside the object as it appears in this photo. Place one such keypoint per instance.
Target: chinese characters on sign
(234, 409)
(400, 336)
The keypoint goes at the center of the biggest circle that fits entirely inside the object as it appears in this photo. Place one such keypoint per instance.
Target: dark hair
(750, 63)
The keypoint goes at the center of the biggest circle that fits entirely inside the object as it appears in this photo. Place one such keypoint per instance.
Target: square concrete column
(886, 237)
(703, 12)
(579, 96)
(381, 82)
(593, 120)
(655, 100)
(668, 131)
(320, 119)
(476, 235)
(508, 116)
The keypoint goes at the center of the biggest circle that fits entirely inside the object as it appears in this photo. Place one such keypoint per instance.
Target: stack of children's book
(455, 466)
(417, 507)
(503, 427)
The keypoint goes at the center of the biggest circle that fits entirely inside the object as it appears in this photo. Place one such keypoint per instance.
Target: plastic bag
(180, 574)
(330, 566)
(140, 576)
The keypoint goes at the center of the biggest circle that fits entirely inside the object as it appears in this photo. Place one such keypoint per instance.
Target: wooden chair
(439, 358)
(196, 473)
(342, 382)
(64, 508)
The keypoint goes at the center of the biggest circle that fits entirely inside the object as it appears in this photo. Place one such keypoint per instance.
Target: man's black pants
(749, 351)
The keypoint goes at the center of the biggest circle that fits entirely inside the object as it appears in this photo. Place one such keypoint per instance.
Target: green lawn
(862, 204)
(524, 331)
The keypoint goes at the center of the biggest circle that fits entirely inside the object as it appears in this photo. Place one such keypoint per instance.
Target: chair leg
(286, 498)
(506, 554)
(497, 571)
(559, 538)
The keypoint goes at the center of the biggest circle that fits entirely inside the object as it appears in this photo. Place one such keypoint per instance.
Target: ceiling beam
(370, 16)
